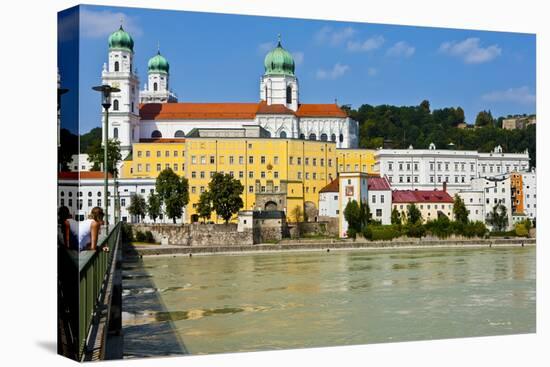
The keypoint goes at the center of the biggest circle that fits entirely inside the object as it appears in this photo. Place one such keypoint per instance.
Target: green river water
(251, 302)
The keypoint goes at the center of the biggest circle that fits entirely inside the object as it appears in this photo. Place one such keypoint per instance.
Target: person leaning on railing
(85, 233)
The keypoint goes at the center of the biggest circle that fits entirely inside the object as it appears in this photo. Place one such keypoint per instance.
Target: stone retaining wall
(197, 234)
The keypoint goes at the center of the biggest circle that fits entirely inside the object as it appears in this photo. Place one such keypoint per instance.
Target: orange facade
(516, 181)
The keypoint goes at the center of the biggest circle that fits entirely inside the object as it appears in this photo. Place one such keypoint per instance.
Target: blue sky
(219, 58)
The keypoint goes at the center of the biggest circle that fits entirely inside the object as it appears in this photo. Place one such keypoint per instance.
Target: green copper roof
(279, 61)
(158, 63)
(121, 40)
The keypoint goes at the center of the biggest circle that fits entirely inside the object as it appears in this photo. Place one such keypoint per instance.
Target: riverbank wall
(327, 245)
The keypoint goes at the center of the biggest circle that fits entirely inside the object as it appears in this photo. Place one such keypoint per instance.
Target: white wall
(530, 194)
(380, 203)
(328, 204)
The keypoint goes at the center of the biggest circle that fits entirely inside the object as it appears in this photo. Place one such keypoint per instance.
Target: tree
(297, 213)
(174, 192)
(484, 118)
(395, 217)
(460, 118)
(204, 206)
(459, 210)
(425, 106)
(366, 215)
(96, 151)
(137, 206)
(154, 206)
(352, 214)
(225, 193)
(498, 218)
(414, 215)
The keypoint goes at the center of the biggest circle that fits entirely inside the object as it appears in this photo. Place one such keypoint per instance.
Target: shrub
(367, 232)
(127, 232)
(140, 236)
(352, 233)
(385, 233)
(415, 230)
(149, 237)
(521, 230)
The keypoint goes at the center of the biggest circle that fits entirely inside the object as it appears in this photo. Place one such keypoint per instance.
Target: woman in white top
(86, 233)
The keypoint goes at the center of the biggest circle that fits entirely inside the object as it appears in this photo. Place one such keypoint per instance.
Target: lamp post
(106, 91)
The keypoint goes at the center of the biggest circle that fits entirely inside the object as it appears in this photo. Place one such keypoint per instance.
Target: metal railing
(83, 279)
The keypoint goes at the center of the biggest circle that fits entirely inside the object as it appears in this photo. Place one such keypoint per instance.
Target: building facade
(356, 160)
(529, 182)
(351, 186)
(329, 200)
(431, 203)
(380, 198)
(495, 191)
(428, 169)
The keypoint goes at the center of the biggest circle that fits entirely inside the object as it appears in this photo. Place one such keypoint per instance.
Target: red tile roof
(82, 175)
(162, 140)
(377, 183)
(198, 111)
(334, 186)
(421, 196)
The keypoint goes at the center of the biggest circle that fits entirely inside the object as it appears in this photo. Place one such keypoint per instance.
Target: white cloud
(401, 49)
(521, 95)
(298, 57)
(334, 37)
(369, 44)
(372, 71)
(265, 47)
(470, 50)
(337, 71)
(97, 24)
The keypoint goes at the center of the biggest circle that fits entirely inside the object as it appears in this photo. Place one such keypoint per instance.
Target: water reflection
(290, 300)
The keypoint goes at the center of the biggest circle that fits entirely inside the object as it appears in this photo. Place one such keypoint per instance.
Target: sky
(219, 58)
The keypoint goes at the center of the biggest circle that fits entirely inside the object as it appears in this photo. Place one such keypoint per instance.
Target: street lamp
(106, 91)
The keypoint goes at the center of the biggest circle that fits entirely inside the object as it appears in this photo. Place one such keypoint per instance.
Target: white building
(428, 169)
(278, 110)
(474, 200)
(352, 186)
(380, 198)
(82, 191)
(529, 183)
(495, 190)
(80, 162)
(329, 200)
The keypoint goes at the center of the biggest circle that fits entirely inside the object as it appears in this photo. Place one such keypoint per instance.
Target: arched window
(283, 134)
(341, 138)
(266, 93)
(312, 137)
(302, 136)
(324, 137)
(179, 134)
(155, 86)
(115, 133)
(268, 134)
(288, 94)
(116, 66)
(156, 134)
(333, 137)
(115, 105)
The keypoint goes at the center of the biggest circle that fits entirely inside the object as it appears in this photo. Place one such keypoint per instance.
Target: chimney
(444, 186)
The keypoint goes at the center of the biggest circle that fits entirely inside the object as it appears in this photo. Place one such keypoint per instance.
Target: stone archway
(270, 205)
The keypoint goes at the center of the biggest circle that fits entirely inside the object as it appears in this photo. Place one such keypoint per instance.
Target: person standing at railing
(64, 220)
(87, 231)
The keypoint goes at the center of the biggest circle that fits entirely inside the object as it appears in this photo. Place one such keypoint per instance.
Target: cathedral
(156, 113)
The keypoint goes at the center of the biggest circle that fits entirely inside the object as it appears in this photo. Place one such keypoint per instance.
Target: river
(251, 302)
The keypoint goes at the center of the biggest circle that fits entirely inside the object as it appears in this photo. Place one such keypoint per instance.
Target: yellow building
(356, 160)
(276, 173)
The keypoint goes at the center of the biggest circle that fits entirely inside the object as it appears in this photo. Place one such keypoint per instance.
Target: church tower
(157, 89)
(279, 85)
(119, 72)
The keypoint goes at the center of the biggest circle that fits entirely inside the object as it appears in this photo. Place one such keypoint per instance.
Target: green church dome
(158, 63)
(121, 40)
(279, 61)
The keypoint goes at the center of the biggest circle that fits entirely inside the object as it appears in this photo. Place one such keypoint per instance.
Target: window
(288, 94)
(115, 133)
(202, 174)
(312, 136)
(341, 138)
(262, 174)
(378, 212)
(250, 159)
(250, 174)
(155, 86)
(193, 174)
(203, 159)
(241, 174)
(117, 66)
(324, 137)
(89, 202)
(276, 160)
(299, 160)
(231, 159)
(250, 188)
(333, 137)
(283, 134)
(390, 166)
(167, 153)
(147, 167)
(306, 161)
(122, 202)
(156, 134)
(139, 153)
(179, 134)
(374, 199)
(262, 159)
(158, 167)
(139, 167)
(98, 202)
(147, 153)
(115, 105)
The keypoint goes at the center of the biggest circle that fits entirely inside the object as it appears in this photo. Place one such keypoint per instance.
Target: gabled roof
(421, 196)
(334, 186)
(377, 183)
(218, 111)
(82, 175)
